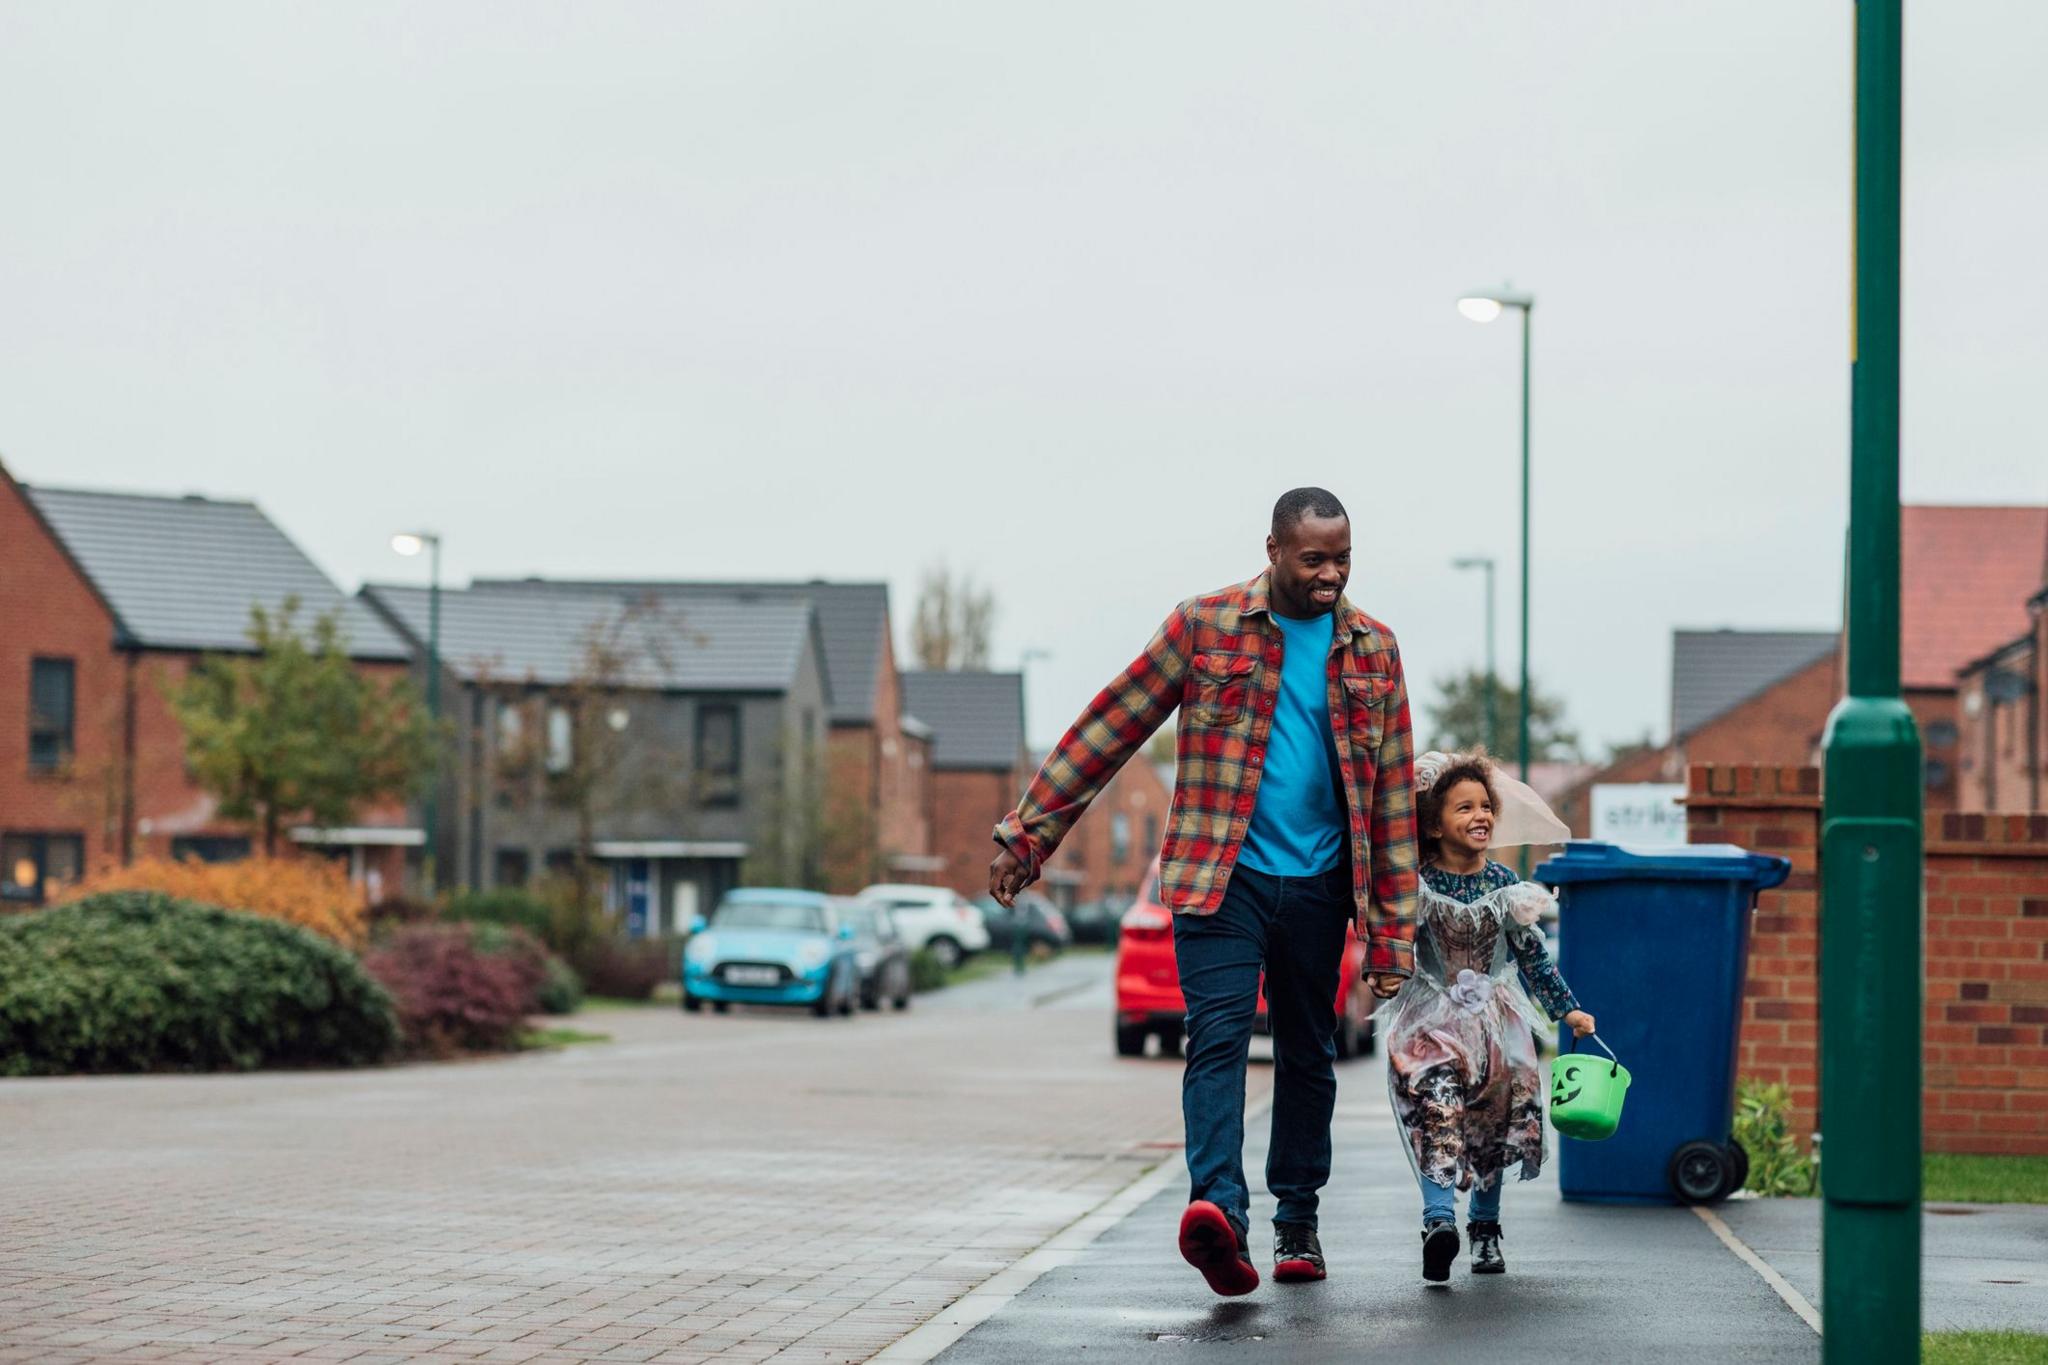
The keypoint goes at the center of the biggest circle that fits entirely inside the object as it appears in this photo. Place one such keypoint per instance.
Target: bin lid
(1589, 860)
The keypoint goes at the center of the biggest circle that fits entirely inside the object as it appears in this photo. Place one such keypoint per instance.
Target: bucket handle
(1574, 1047)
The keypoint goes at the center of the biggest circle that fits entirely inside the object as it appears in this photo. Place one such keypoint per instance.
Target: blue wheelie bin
(1655, 943)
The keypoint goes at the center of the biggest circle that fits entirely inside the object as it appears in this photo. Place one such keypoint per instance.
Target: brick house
(110, 598)
(978, 765)
(877, 816)
(718, 704)
(1107, 853)
(1971, 627)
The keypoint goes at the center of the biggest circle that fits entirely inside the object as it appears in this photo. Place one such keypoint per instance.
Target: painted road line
(979, 1304)
(1794, 1300)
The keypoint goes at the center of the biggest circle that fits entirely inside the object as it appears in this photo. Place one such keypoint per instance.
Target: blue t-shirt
(1297, 826)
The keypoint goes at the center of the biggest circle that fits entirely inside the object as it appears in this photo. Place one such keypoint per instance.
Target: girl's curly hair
(1429, 805)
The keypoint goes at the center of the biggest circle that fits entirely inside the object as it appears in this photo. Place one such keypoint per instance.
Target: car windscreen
(861, 917)
(799, 919)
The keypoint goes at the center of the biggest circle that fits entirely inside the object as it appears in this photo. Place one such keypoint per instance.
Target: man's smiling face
(1311, 565)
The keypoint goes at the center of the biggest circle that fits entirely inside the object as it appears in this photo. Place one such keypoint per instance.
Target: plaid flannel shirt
(1217, 658)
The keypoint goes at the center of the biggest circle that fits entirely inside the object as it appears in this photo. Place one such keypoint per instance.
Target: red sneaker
(1210, 1244)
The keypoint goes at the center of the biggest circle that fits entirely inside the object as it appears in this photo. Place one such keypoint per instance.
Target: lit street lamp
(1485, 306)
(412, 543)
(1492, 678)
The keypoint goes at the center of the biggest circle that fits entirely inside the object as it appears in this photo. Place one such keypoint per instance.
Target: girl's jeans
(1440, 1202)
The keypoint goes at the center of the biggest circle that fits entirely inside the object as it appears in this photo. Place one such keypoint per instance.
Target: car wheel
(1130, 1040)
(1170, 1040)
(946, 951)
(849, 998)
(871, 995)
(721, 1006)
(825, 1003)
(692, 1003)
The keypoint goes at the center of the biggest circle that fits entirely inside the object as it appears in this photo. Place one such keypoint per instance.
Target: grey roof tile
(977, 719)
(182, 573)
(707, 644)
(853, 622)
(1713, 671)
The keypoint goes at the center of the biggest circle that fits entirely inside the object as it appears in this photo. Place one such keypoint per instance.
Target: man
(1293, 812)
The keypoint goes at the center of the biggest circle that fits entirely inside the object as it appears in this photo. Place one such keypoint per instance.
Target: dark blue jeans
(1293, 927)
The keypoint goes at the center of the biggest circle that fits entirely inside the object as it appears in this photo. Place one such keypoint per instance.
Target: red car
(1148, 999)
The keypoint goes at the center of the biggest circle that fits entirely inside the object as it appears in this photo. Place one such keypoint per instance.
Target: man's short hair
(1299, 503)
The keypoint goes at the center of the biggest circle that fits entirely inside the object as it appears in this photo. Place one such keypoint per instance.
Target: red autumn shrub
(458, 989)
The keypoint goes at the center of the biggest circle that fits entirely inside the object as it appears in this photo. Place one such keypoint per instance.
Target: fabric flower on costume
(1528, 902)
(1429, 767)
(1471, 991)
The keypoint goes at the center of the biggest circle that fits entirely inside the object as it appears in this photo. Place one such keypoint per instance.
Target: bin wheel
(1738, 1160)
(1699, 1172)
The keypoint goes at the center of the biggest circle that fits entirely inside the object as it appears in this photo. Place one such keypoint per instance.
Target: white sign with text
(1639, 813)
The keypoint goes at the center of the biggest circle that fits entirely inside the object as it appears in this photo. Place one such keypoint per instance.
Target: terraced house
(108, 600)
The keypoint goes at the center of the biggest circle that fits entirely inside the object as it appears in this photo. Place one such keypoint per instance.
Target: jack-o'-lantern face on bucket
(1569, 1076)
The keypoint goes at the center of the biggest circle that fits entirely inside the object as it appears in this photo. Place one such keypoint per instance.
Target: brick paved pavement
(740, 1188)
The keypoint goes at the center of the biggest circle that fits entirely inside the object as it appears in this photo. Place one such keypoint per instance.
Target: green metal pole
(1492, 674)
(432, 803)
(1522, 738)
(1871, 824)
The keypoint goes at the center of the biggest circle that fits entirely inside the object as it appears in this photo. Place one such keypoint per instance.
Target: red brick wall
(1985, 964)
(1779, 726)
(51, 612)
(965, 808)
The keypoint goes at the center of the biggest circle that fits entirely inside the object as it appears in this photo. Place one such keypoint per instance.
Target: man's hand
(1579, 1022)
(1006, 877)
(1385, 985)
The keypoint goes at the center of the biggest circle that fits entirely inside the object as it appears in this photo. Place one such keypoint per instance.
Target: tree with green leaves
(296, 730)
(1457, 720)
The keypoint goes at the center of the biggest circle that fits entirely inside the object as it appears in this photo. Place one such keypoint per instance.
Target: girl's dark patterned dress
(1462, 1057)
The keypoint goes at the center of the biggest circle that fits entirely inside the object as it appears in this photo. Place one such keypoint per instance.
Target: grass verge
(535, 1038)
(1983, 1348)
(1951, 1178)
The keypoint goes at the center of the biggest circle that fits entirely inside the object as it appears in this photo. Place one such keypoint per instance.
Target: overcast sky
(1064, 295)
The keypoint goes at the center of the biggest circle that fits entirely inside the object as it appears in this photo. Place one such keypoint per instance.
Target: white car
(933, 918)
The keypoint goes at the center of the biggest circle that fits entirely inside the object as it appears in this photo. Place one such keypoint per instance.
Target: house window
(1119, 838)
(511, 726)
(210, 848)
(52, 692)
(37, 867)
(718, 754)
(561, 739)
(511, 867)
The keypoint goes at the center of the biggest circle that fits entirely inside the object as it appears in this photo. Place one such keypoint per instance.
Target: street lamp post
(1492, 676)
(1485, 307)
(1871, 818)
(411, 543)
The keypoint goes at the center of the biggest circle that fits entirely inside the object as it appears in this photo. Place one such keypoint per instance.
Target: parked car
(1148, 998)
(933, 918)
(1037, 918)
(771, 946)
(883, 955)
(1096, 921)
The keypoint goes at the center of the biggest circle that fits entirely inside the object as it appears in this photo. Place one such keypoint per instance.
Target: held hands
(1384, 984)
(1579, 1022)
(1006, 877)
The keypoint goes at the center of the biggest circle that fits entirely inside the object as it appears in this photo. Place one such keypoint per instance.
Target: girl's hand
(1579, 1022)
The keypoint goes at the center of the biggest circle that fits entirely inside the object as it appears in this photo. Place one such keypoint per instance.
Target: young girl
(1461, 1059)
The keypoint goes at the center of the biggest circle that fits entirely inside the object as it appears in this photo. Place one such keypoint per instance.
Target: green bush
(507, 906)
(1777, 1166)
(138, 981)
(927, 973)
(561, 990)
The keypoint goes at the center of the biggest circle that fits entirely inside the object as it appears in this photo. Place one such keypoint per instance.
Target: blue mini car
(765, 946)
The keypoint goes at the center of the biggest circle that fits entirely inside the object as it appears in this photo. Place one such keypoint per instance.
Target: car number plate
(753, 976)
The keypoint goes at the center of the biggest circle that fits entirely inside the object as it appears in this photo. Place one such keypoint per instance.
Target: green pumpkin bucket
(1586, 1093)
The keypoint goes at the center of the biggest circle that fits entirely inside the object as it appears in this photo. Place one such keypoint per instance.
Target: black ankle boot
(1486, 1257)
(1439, 1249)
